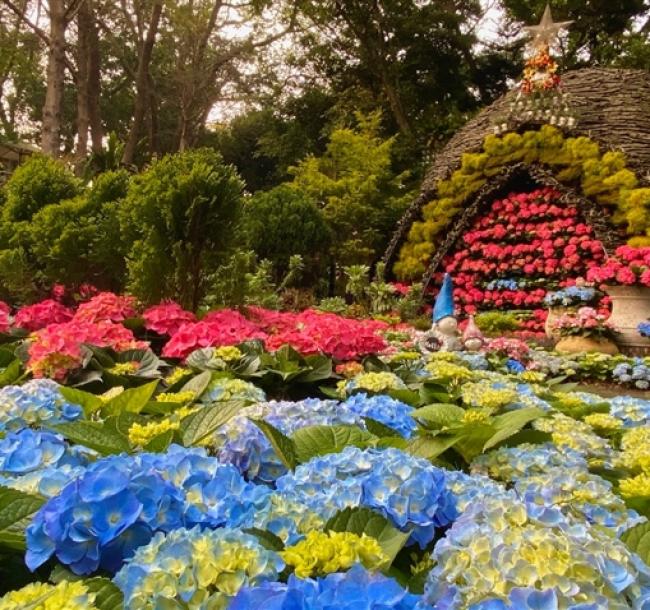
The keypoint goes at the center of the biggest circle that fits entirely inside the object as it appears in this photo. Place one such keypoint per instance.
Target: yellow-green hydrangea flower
(110, 394)
(323, 553)
(635, 450)
(441, 369)
(181, 397)
(638, 486)
(376, 382)
(603, 421)
(483, 395)
(124, 368)
(141, 434)
(176, 375)
(228, 353)
(575, 434)
(42, 596)
(476, 416)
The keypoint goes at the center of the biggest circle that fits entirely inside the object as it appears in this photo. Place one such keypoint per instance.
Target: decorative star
(545, 34)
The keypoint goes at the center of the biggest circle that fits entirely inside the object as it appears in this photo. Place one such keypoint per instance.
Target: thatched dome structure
(612, 108)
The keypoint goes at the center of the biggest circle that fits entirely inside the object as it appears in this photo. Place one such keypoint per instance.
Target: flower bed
(409, 482)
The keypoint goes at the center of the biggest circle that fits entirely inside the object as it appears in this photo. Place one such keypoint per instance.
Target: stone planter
(630, 307)
(578, 345)
(554, 313)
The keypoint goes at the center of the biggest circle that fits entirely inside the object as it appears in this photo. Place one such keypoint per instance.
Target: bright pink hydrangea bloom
(166, 318)
(36, 316)
(107, 306)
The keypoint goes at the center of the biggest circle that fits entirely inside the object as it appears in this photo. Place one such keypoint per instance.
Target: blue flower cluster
(572, 295)
(40, 462)
(33, 403)
(241, 443)
(356, 589)
(384, 409)
(644, 329)
(637, 374)
(409, 492)
(631, 411)
(195, 569)
(503, 284)
(499, 555)
(119, 502)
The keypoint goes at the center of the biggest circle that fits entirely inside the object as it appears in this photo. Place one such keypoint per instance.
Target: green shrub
(497, 322)
(282, 222)
(38, 182)
(78, 240)
(178, 223)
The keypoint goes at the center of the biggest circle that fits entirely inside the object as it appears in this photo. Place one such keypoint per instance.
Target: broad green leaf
(155, 407)
(132, 400)
(321, 440)
(60, 573)
(408, 397)
(365, 521)
(11, 373)
(107, 595)
(640, 504)
(283, 446)
(508, 424)
(530, 436)
(16, 508)
(378, 429)
(102, 438)
(321, 368)
(198, 384)
(197, 426)
(267, 539)
(472, 439)
(87, 401)
(430, 447)
(433, 393)
(123, 422)
(396, 442)
(440, 415)
(637, 539)
(160, 443)
(7, 356)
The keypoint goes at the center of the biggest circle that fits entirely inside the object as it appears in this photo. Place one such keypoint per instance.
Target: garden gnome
(473, 339)
(444, 335)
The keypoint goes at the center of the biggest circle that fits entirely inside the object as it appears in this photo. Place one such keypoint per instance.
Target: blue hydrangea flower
(386, 410)
(644, 329)
(356, 589)
(498, 551)
(572, 295)
(631, 411)
(468, 489)
(195, 568)
(241, 443)
(513, 463)
(635, 373)
(47, 482)
(33, 403)
(408, 491)
(577, 493)
(514, 366)
(28, 451)
(475, 362)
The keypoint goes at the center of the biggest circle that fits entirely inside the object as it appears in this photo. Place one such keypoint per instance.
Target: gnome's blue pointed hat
(444, 306)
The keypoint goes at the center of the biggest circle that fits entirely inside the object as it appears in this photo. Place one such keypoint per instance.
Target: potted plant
(625, 277)
(566, 301)
(586, 331)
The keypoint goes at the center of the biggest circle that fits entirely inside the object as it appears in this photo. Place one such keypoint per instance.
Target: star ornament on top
(546, 33)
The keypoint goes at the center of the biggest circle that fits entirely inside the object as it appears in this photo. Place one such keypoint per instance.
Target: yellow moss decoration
(605, 178)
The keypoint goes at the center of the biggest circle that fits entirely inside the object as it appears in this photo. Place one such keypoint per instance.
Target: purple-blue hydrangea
(408, 491)
(241, 443)
(644, 329)
(356, 589)
(33, 403)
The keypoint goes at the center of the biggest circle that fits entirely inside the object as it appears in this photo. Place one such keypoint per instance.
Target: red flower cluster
(523, 246)
(107, 306)
(628, 266)
(39, 315)
(308, 332)
(166, 318)
(57, 348)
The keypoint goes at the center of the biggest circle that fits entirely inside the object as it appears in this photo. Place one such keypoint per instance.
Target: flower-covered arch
(602, 177)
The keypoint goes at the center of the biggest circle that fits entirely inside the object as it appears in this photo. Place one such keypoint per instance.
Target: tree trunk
(142, 85)
(94, 81)
(83, 86)
(50, 137)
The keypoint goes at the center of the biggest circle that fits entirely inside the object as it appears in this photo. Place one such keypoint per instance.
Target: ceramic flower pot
(630, 307)
(554, 314)
(578, 345)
